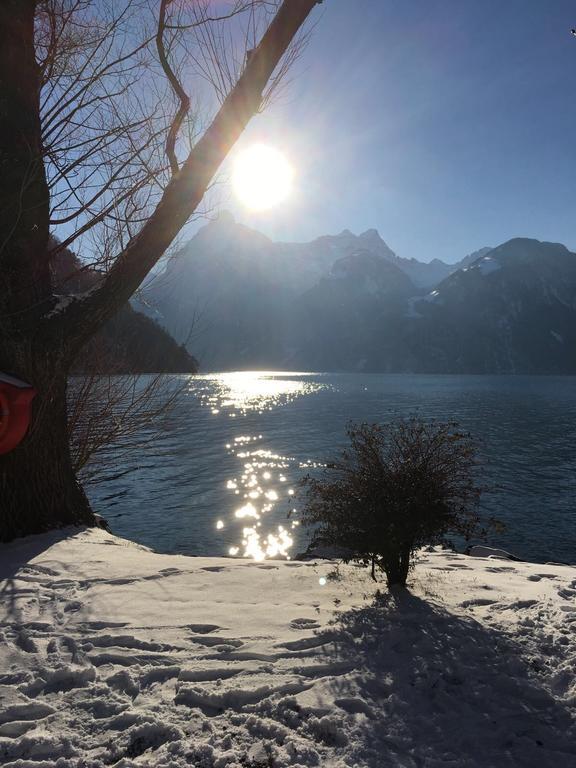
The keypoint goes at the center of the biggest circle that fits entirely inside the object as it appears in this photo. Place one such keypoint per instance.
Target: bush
(398, 487)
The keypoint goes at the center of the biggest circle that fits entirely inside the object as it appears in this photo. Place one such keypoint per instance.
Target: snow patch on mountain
(487, 265)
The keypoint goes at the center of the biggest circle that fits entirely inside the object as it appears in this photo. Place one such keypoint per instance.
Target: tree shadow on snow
(432, 689)
(16, 567)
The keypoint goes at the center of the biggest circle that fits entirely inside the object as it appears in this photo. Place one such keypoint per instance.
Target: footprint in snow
(38, 569)
(147, 736)
(72, 606)
(478, 601)
(159, 675)
(26, 642)
(211, 641)
(102, 624)
(207, 674)
(214, 568)
(19, 713)
(66, 650)
(519, 605)
(306, 643)
(304, 624)
(203, 629)
(62, 584)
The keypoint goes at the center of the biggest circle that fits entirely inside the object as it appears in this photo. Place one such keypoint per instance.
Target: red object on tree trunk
(15, 402)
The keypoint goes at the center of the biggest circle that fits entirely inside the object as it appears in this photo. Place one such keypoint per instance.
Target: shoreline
(474, 550)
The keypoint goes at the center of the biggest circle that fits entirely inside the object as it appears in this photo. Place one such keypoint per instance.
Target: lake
(221, 475)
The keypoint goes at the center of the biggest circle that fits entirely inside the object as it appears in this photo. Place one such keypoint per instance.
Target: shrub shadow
(433, 689)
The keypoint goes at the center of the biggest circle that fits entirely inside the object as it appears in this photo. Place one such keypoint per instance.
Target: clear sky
(445, 124)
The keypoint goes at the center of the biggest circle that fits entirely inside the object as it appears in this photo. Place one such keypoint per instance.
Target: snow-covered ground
(112, 655)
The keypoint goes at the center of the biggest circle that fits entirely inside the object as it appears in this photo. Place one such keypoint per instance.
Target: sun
(262, 177)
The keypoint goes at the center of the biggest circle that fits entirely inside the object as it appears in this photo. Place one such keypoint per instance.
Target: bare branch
(186, 189)
(176, 87)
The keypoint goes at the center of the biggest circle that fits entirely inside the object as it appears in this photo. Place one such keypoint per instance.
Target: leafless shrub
(122, 413)
(398, 487)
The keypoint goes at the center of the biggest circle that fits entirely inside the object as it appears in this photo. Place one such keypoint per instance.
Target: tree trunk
(25, 286)
(397, 569)
(38, 486)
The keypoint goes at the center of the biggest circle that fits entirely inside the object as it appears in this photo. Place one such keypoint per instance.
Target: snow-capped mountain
(348, 302)
(241, 289)
(512, 310)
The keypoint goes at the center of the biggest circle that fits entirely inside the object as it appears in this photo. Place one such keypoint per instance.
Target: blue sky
(446, 124)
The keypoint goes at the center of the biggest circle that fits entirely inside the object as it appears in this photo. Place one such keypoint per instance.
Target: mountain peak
(530, 242)
(222, 232)
(524, 249)
(370, 234)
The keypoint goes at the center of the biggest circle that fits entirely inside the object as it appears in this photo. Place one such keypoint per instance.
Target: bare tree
(398, 487)
(115, 117)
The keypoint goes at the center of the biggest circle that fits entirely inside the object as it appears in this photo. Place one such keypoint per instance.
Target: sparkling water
(221, 475)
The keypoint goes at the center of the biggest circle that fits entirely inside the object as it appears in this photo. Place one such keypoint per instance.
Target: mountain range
(348, 303)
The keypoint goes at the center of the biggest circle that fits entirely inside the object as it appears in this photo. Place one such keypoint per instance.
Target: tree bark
(24, 197)
(397, 569)
(38, 487)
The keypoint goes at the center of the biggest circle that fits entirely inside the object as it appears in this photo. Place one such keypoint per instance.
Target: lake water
(221, 476)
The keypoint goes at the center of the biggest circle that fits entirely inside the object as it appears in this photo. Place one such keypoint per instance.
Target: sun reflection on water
(244, 391)
(262, 482)
(273, 545)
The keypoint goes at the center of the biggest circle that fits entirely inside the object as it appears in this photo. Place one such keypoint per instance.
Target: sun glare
(262, 177)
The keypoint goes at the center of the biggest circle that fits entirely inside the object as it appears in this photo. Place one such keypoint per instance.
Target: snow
(487, 265)
(434, 296)
(63, 301)
(481, 551)
(113, 655)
